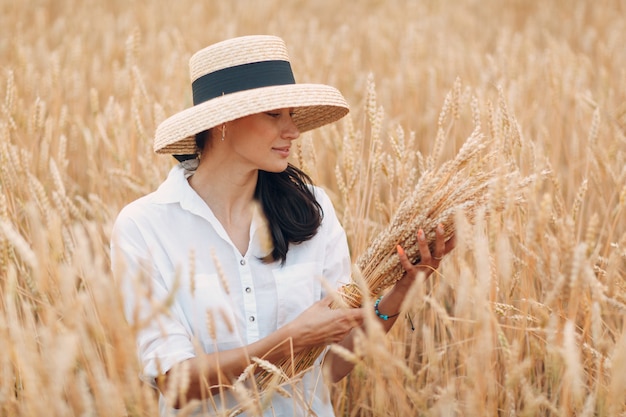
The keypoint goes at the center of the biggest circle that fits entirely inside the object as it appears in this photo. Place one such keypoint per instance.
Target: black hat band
(241, 77)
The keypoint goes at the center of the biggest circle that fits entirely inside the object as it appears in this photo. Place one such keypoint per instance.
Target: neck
(228, 192)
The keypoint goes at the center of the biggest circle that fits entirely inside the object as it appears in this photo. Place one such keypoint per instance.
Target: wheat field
(524, 318)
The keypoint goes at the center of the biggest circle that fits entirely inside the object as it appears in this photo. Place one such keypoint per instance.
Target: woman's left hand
(429, 262)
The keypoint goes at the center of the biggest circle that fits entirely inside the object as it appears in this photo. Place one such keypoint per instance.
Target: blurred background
(83, 85)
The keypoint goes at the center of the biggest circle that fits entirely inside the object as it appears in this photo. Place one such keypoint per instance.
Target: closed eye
(276, 114)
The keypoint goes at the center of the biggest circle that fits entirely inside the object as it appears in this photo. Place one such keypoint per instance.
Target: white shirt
(221, 298)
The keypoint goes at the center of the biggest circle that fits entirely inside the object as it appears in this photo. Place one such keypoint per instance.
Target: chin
(275, 168)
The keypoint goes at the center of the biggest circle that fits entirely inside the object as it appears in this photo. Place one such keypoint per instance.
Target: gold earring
(223, 131)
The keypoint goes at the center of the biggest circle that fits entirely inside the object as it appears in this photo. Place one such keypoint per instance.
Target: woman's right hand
(321, 325)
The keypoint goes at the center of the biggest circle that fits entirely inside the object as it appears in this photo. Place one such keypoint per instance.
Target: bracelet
(382, 316)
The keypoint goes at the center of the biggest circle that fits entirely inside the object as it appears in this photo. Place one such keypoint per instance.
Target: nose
(290, 130)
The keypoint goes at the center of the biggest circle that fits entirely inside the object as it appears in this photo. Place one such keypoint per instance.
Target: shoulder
(321, 196)
(151, 205)
(330, 218)
(136, 209)
(132, 216)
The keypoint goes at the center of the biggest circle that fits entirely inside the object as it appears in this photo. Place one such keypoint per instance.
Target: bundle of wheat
(460, 184)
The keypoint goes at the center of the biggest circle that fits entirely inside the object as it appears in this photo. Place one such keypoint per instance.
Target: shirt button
(251, 318)
(248, 290)
(242, 262)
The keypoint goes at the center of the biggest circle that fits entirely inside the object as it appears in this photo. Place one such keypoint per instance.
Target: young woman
(231, 258)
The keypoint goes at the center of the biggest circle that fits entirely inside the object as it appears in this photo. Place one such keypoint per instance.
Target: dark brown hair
(292, 212)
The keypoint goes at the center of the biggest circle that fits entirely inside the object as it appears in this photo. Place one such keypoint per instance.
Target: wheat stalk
(462, 183)
(88, 97)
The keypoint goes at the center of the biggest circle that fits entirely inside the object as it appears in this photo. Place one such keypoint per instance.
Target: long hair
(289, 205)
(293, 214)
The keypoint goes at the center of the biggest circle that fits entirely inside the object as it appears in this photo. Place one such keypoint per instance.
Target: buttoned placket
(249, 300)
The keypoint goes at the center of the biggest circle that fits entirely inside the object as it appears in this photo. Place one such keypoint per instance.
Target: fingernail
(420, 235)
(440, 228)
(400, 250)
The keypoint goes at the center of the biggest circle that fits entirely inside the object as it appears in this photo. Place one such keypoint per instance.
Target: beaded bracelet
(382, 316)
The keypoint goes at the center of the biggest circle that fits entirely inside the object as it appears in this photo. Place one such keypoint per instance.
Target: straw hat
(243, 76)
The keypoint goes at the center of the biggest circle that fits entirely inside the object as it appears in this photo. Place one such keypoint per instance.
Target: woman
(230, 259)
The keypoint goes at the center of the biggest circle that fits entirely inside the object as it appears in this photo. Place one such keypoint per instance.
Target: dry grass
(525, 318)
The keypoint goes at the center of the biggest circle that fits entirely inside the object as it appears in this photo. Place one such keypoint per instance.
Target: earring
(223, 131)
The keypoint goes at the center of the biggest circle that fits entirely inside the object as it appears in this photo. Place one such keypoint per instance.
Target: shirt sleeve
(337, 264)
(162, 338)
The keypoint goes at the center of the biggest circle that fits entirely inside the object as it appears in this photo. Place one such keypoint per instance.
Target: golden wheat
(462, 184)
(526, 317)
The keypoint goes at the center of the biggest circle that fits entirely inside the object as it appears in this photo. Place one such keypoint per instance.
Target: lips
(283, 151)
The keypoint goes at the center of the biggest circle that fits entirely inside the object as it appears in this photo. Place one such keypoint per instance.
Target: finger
(355, 316)
(425, 255)
(349, 313)
(327, 301)
(343, 324)
(404, 260)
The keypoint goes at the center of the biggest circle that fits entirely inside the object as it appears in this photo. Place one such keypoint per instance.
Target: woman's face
(263, 140)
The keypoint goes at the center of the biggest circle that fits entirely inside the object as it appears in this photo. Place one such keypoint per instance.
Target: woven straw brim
(314, 105)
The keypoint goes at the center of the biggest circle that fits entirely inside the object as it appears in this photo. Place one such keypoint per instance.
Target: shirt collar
(176, 189)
